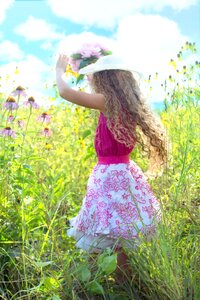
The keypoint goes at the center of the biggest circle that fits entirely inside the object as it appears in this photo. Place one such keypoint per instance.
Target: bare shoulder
(90, 100)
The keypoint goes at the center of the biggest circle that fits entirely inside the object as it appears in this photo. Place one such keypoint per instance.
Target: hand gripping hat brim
(108, 62)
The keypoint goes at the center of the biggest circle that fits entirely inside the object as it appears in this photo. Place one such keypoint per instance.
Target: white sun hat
(108, 62)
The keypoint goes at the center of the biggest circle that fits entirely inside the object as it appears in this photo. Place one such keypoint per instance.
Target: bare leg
(123, 271)
(122, 262)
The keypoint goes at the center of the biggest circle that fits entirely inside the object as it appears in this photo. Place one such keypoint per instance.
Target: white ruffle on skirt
(118, 206)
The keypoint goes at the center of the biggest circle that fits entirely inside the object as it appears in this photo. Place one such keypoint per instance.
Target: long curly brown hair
(129, 117)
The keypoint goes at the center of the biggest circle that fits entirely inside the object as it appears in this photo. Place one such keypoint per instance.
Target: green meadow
(46, 157)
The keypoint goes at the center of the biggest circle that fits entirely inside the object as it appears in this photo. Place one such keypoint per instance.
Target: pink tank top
(107, 148)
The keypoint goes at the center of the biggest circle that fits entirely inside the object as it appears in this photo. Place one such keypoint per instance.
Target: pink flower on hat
(89, 50)
(88, 54)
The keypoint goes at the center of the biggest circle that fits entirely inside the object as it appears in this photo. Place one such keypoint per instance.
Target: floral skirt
(118, 207)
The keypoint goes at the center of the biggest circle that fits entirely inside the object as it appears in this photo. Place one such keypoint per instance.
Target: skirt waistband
(120, 159)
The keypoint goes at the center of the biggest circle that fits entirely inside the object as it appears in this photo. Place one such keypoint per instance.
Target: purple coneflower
(10, 118)
(11, 104)
(19, 91)
(7, 131)
(20, 123)
(46, 132)
(32, 103)
(44, 117)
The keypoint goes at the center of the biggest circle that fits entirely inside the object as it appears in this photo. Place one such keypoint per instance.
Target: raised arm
(95, 101)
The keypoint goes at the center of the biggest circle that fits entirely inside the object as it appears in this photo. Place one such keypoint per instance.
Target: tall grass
(43, 181)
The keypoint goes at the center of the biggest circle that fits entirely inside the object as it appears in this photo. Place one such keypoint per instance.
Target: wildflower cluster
(88, 54)
(11, 105)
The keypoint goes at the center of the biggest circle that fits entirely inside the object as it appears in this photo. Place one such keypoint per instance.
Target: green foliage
(96, 288)
(83, 273)
(107, 264)
(43, 181)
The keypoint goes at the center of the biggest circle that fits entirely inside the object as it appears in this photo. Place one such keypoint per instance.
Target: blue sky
(147, 33)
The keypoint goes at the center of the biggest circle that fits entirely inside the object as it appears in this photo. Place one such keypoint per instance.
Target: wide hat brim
(108, 62)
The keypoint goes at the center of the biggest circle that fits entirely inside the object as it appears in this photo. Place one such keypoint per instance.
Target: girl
(119, 203)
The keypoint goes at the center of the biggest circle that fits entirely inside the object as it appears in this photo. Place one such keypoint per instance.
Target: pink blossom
(44, 117)
(103, 48)
(10, 118)
(32, 103)
(86, 53)
(11, 104)
(20, 91)
(46, 132)
(90, 50)
(20, 123)
(7, 131)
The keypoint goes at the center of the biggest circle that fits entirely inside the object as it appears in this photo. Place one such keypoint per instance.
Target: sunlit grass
(43, 181)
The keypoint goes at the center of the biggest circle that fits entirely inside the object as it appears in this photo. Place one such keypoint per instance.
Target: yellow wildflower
(48, 146)
(69, 71)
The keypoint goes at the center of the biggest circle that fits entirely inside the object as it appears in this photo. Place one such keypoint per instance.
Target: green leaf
(107, 52)
(76, 56)
(96, 288)
(86, 133)
(100, 258)
(25, 166)
(51, 283)
(41, 264)
(83, 273)
(79, 78)
(84, 63)
(28, 169)
(88, 156)
(108, 264)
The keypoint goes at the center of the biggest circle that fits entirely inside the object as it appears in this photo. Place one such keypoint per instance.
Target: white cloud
(107, 14)
(149, 41)
(37, 29)
(47, 45)
(73, 42)
(4, 5)
(32, 74)
(10, 51)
